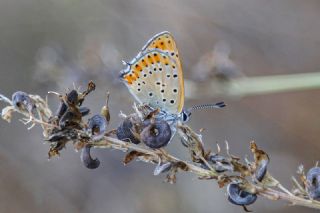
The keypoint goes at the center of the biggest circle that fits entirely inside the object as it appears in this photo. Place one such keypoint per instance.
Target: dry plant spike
(245, 182)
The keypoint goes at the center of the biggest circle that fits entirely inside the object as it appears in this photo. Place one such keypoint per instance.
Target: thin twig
(113, 142)
(5, 99)
(268, 193)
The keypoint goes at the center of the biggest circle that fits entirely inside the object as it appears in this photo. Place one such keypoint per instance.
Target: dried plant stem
(293, 200)
(247, 86)
(5, 99)
(284, 189)
(269, 193)
(297, 184)
(109, 142)
(269, 187)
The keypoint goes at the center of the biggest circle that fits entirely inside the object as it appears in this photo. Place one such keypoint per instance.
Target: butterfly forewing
(155, 75)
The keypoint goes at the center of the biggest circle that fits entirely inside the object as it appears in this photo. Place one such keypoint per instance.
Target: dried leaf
(240, 167)
(55, 147)
(6, 113)
(225, 179)
(162, 168)
(53, 152)
(131, 156)
(78, 145)
(171, 178)
(152, 114)
(192, 141)
(181, 165)
(302, 176)
(258, 153)
(269, 181)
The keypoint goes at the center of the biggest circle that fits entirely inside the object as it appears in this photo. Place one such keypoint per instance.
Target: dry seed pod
(219, 163)
(125, 132)
(261, 169)
(97, 126)
(156, 134)
(22, 101)
(261, 161)
(84, 111)
(87, 160)
(105, 109)
(105, 112)
(61, 110)
(62, 135)
(313, 183)
(72, 98)
(238, 196)
(72, 117)
(56, 137)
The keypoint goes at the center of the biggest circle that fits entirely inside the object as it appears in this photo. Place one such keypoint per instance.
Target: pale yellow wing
(165, 42)
(153, 78)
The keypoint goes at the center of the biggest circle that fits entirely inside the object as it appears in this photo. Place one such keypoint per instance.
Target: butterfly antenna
(208, 106)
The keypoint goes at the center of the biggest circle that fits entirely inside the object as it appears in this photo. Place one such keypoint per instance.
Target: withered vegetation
(143, 136)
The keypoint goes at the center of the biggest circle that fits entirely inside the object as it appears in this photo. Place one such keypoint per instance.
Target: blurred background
(49, 45)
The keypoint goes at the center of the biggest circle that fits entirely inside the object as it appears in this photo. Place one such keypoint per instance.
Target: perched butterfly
(155, 77)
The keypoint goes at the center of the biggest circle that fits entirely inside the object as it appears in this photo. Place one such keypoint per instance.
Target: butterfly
(155, 77)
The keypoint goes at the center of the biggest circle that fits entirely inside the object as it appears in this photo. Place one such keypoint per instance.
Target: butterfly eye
(238, 196)
(313, 183)
(125, 132)
(156, 134)
(87, 160)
